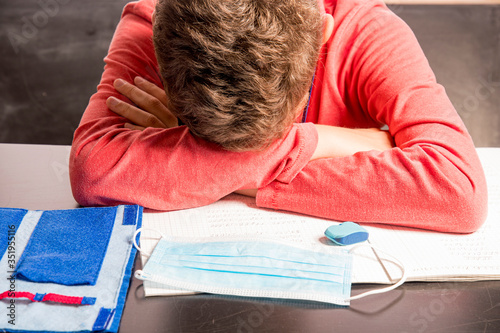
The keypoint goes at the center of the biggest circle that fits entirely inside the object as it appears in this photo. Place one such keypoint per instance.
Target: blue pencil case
(67, 270)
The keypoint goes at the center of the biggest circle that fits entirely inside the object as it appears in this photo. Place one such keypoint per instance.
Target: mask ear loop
(135, 240)
(381, 290)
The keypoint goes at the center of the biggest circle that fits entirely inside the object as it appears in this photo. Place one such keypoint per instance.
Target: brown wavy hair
(236, 71)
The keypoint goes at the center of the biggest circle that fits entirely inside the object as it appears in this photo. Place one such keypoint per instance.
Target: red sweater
(371, 72)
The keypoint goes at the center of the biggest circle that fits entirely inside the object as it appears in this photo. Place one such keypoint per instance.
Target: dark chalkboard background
(51, 65)
(51, 62)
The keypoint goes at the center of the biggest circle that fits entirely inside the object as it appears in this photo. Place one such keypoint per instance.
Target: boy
(238, 74)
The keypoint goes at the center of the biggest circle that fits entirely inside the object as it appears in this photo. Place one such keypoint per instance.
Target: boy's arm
(432, 179)
(164, 168)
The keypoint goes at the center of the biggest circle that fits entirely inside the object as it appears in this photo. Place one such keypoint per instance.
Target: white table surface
(35, 177)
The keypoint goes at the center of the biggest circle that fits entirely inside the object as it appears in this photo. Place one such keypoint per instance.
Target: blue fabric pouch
(67, 246)
(73, 268)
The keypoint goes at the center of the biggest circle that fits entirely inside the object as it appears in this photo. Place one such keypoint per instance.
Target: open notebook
(427, 256)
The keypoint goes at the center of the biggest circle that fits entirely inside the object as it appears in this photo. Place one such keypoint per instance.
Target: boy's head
(237, 72)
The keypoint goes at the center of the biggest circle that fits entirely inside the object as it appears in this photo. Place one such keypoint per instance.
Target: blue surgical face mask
(251, 268)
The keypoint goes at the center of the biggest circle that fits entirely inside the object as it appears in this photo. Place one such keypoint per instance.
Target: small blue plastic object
(346, 233)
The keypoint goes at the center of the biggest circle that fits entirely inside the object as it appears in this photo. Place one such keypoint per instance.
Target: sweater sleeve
(432, 179)
(164, 169)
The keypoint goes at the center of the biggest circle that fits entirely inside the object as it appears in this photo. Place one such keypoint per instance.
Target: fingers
(149, 98)
(152, 89)
(166, 117)
(134, 114)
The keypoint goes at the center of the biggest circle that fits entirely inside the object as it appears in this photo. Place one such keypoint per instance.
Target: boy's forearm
(170, 169)
(339, 141)
(416, 187)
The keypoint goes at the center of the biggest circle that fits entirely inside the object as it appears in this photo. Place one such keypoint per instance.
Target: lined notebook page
(427, 256)
(237, 216)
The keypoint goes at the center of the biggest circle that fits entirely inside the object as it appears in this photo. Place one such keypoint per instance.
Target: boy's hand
(151, 105)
